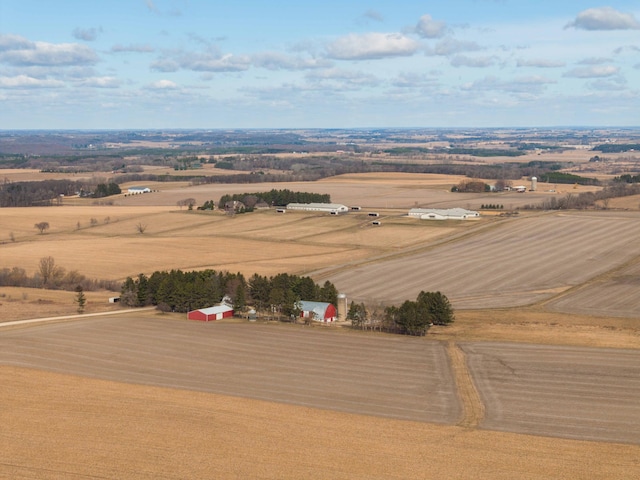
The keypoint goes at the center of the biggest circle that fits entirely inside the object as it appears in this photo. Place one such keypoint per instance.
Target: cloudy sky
(256, 64)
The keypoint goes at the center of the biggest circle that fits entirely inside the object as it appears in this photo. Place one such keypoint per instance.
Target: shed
(318, 311)
(210, 314)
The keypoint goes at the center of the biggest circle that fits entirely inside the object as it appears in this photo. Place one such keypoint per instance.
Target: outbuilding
(210, 314)
(443, 213)
(319, 207)
(137, 190)
(318, 311)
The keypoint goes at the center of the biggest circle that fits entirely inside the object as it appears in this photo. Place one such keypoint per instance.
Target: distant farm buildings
(212, 313)
(443, 214)
(318, 311)
(136, 190)
(319, 207)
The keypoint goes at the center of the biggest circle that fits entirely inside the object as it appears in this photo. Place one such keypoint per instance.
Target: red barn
(212, 313)
(318, 311)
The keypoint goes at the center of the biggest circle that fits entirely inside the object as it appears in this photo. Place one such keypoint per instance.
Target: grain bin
(342, 307)
(534, 183)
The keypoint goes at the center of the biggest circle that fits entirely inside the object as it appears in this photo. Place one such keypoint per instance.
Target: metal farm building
(210, 314)
(319, 207)
(443, 214)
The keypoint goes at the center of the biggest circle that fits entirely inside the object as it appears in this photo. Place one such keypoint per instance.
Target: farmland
(537, 296)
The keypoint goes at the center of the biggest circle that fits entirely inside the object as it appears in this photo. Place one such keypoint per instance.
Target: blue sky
(333, 64)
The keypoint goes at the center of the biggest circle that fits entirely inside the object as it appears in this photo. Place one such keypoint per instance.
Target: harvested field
(514, 263)
(390, 376)
(569, 392)
(613, 295)
(67, 427)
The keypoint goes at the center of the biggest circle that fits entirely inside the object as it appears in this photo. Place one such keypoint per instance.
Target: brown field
(155, 396)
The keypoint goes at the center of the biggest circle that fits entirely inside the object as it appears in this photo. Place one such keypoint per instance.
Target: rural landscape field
(538, 376)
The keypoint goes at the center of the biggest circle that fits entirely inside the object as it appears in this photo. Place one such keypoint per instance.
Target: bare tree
(190, 202)
(94, 222)
(42, 226)
(141, 227)
(47, 269)
(12, 237)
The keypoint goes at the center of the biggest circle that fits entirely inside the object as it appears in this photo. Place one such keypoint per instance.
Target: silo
(342, 307)
(534, 183)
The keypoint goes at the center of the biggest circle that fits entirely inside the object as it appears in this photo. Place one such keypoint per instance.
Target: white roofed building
(319, 207)
(443, 214)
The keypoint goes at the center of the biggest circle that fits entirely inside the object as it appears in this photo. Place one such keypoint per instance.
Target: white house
(319, 207)
(443, 214)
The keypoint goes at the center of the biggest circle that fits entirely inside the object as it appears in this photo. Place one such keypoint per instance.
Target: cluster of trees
(179, 291)
(586, 200)
(410, 318)
(617, 147)
(49, 192)
(106, 190)
(627, 178)
(561, 177)
(275, 197)
(52, 276)
(28, 194)
(471, 186)
(491, 206)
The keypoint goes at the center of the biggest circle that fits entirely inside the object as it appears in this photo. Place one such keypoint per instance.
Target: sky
(164, 64)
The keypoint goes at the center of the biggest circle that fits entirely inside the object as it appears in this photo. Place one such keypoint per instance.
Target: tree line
(277, 197)
(50, 192)
(51, 276)
(179, 291)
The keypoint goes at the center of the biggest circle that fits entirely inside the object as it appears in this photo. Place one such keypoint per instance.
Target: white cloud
(595, 71)
(474, 62)
(137, 48)
(280, 61)
(604, 18)
(594, 61)
(164, 85)
(18, 51)
(450, 46)
(209, 61)
(25, 81)
(522, 85)
(372, 46)
(373, 15)
(427, 27)
(540, 63)
(101, 82)
(87, 34)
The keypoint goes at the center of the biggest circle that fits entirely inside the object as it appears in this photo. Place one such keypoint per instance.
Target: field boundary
(472, 406)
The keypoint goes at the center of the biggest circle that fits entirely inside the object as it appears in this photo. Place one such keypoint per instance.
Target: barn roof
(318, 308)
(215, 310)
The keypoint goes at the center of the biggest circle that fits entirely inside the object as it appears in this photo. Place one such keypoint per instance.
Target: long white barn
(443, 214)
(318, 207)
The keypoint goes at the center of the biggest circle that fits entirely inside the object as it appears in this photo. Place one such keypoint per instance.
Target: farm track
(472, 406)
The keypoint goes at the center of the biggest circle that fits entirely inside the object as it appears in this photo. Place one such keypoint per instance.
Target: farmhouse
(318, 311)
(318, 207)
(212, 313)
(136, 190)
(443, 214)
